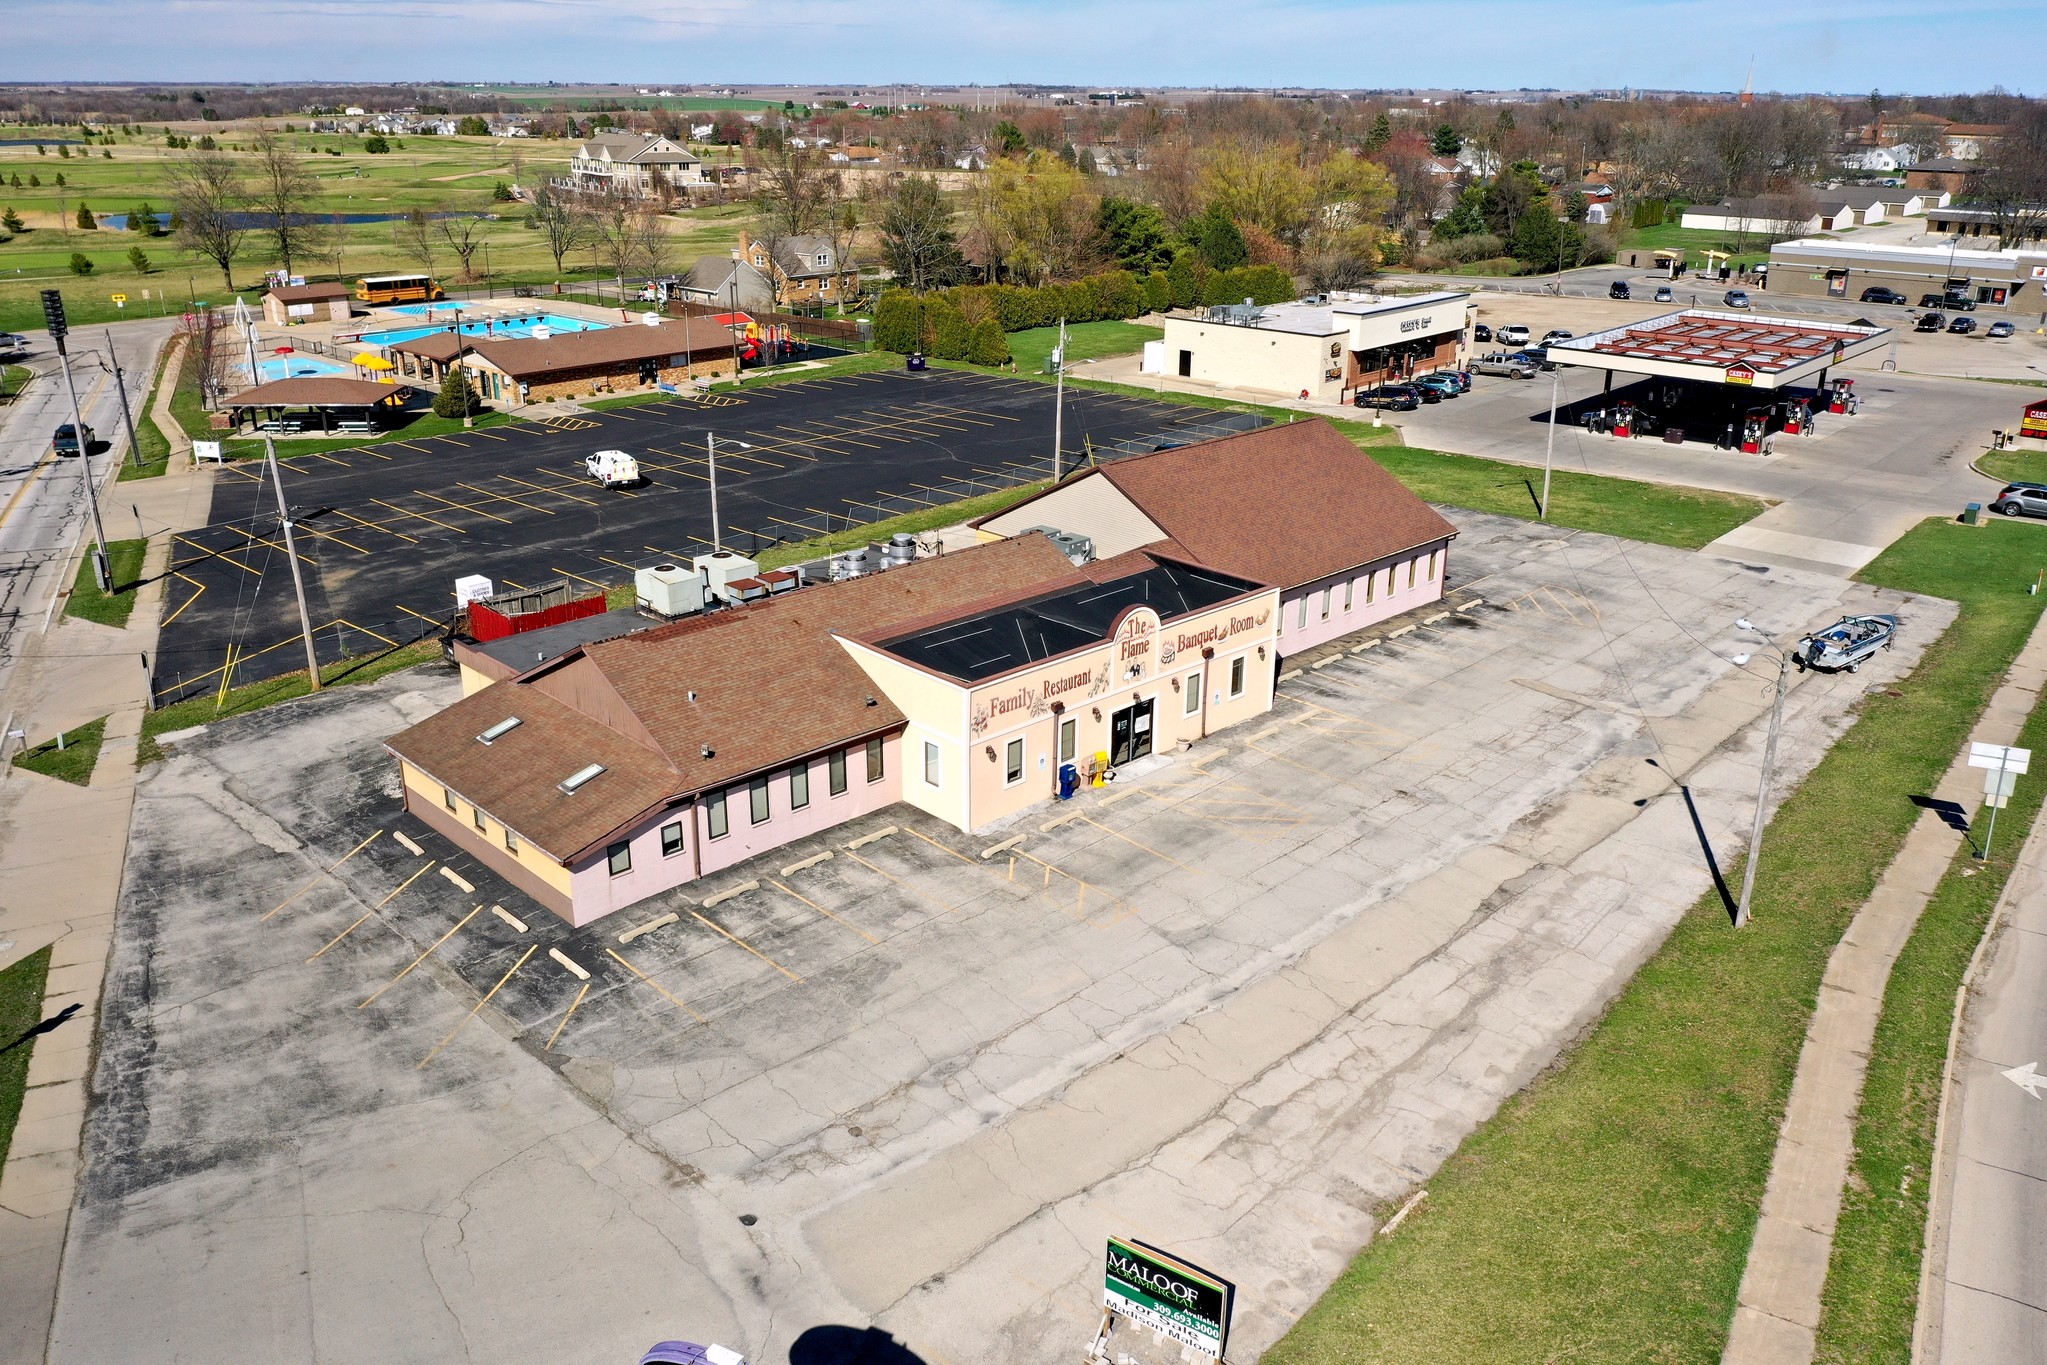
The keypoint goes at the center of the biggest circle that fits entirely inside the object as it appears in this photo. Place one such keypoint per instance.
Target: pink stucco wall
(597, 893)
(1390, 596)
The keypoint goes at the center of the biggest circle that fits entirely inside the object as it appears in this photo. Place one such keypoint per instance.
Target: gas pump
(1841, 395)
(1753, 427)
(1624, 419)
(1794, 416)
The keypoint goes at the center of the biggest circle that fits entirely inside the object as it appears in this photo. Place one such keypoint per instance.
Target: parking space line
(574, 1005)
(423, 956)
(907, 886)
(461, 506)
(323, 872)
(372, 910)
(511, 498)
(197, 588)
(941, 847)
(580, 578)
(1090, 820)
(821, 910)
(376, 526)
(541, 488)
(206, 553)
(657, 986)
(748, 946)
(478, 1007)
(407, 512)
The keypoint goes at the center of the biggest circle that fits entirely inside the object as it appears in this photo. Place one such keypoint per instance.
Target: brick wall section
(626, 380)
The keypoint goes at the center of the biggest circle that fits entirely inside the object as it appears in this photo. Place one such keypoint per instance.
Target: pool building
(617, 769)
(510, 371)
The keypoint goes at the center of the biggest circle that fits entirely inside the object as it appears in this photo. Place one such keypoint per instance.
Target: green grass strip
(88, 603)
(1872, 1293)
(74, 762)
(1605, 1212)
(21, 1008)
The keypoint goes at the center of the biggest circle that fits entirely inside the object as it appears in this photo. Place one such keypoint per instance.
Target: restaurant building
(614, 769)
(511, 372)
(1327, 349)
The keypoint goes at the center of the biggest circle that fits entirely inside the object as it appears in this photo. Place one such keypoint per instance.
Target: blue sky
(1922, 46)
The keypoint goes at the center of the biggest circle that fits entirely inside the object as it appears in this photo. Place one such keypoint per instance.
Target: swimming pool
(502, 325)
(300, 366)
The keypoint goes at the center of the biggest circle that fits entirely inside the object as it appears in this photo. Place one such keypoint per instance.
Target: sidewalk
(1778, 1309)
(62, 850)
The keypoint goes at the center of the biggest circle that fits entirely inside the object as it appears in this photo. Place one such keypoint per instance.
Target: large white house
(638, 164)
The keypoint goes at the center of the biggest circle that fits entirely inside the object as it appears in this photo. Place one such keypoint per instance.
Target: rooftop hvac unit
(669, 589)
(1077, 548)
(720, 569)
(854, 564)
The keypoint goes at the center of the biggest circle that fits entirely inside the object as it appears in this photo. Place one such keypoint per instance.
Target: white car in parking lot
(1514, 335)
(613, 468)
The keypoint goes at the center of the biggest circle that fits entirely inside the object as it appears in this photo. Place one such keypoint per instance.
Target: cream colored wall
(473, 681)
(1088, 506)
(427, 790)
(1256, 358)
(937, 712)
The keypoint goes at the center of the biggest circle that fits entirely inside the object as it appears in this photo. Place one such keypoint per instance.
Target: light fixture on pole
(711, 459)
(1058, 399)
(1755, 838)
(1549, 445)
(53, 318)
(121, 392)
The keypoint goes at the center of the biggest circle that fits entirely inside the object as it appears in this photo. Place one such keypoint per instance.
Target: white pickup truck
(613, 468)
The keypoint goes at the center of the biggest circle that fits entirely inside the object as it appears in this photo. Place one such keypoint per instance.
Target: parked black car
(1481, 332)
(1392, 398)
(1962, 326)
(1617, 290)
(1929, 322)
(1876, 293)
(1958, 303)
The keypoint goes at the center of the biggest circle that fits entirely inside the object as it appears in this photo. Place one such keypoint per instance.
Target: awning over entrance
(1745, 349)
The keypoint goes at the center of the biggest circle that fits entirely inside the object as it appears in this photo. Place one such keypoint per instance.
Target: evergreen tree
(988, 346)
(1183, 281)
(898, 322)
(1445, 141)
(11, 220)
(1135, 234)
(456, 398)
(1218, 240)
(86, 222)
(80, 264)
(138, 260)
(142, 219)
(1381, 134)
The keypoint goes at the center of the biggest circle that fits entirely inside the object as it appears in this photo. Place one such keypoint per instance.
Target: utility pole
(1755, 838)
(291, 556)
(711, 459)
(1058, 399)
(121, 391)
(1549, 445)
(53, 317)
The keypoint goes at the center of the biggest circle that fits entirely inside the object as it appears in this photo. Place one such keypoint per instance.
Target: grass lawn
(1084, 341)
(13, 379)
(1605, 1213)
(124, 566)
(1694, 242)
(74, 762)
(1872, 1290)
(2013, 466)
(195, 711)
(153, 449)
(21, 1008)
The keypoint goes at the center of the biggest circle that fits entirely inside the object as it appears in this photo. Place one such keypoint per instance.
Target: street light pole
(121, 392)
(1058, 400)
(53, 318)
(1755, 838)
(291, 557)
(711, 460)
(1549, 445)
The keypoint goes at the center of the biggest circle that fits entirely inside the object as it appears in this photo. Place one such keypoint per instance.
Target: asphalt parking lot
(356, 1091)
(513, 503)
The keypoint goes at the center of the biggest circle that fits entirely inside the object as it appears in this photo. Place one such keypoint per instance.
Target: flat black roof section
(1031, 632)
(536, 647)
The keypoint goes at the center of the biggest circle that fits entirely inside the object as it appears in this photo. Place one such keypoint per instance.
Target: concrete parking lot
(409, 517)
(358, 1100)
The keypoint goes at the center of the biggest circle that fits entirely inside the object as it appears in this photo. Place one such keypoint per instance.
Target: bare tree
(654, 247)
(611, 224)
(562, 226)
(842, 231)
(283, 193)
(464, 236)
(2013, 183)
(209, 199)
(414, 236)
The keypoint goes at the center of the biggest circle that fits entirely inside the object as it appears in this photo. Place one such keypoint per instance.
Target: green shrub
(898, 322)
(81, 264)
(988, 346)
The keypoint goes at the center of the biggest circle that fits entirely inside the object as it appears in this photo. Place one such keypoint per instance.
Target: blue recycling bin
(915, 361)
(1069, 781)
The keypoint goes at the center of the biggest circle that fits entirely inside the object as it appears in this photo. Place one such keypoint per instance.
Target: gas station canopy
(1723, 348)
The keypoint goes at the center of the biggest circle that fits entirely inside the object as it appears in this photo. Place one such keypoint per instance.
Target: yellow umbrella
(374, 362)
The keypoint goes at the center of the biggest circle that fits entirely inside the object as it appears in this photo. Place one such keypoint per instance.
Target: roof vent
(574, 781)
(707, 751)
(500, 730)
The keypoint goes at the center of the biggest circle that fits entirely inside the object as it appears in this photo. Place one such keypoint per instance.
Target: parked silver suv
(2021, 499)
(1513, 367)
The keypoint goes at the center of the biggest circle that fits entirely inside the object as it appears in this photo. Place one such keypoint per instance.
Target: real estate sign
(1168, 1295)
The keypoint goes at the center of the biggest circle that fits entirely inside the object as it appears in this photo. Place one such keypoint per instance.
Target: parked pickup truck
(65, 442)
(613, 468)
(1513, 367)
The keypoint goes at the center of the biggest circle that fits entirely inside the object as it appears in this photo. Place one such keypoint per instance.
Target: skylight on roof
(575, 780)
(500, 730)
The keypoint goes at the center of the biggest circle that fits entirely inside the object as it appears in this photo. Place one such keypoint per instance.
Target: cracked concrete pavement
(1250, 995)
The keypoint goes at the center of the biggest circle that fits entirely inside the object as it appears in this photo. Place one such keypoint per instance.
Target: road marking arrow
(2026, 1078)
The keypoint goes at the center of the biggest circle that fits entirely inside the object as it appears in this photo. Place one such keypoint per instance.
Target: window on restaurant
(1190, 694)
(835, 766)
(511, 840)
(1302, 622)
(1069, 732)
(874, 770)
(1327, 593)
(716, 817)
(1410, 572)
(1237, 676)
(757, 792)
(448, 797)
(1013, 762)
(1371, 582)
(671, 839)
(1432, 566)
(930, 763)
(1350, 586)
(620, 858)
(476, 817)
(799, 786)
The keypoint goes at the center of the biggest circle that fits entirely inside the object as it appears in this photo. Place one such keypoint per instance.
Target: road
(1987, 1299)
(42, 498)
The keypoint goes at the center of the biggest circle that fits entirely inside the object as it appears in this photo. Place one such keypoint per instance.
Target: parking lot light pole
(121, 392)
(291, 557)
(711, 459)
(1058, 399)
(53, 318)
(1549, 445)
(1755, 838)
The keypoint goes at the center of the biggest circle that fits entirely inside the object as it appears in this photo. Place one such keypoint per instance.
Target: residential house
(857, 156)
(1946, 174)
(1768, 215)
(641, 165)
(1972, 141)
(806, 270)
(729, 282)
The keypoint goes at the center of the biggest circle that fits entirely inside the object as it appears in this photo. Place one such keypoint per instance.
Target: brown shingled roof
(309, 293)
(536, 358)
(1284, 505)
(320, 392)
(772, 685)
